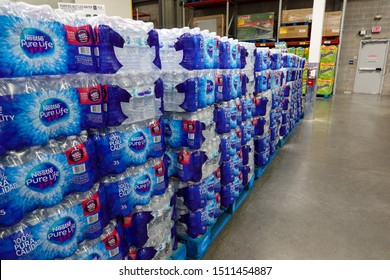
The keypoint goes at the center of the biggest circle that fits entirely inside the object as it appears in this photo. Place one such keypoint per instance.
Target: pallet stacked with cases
(327, 70)
(278, 76)
(188, 63)
(204, 85)
(82, 169)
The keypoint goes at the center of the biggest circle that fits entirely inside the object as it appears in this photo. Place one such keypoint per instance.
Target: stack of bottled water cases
(278, 93)
(66, 192)
(292, 98)
(189, 63)
(234, 115)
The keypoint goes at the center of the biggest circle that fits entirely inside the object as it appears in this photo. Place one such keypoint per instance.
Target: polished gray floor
(327, 193)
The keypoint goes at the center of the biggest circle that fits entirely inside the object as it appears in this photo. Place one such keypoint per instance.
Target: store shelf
(299, 43)
(207, 3)
(229, 15)
(137, 14)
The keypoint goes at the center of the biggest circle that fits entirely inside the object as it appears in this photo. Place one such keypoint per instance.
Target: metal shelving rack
(202, 4)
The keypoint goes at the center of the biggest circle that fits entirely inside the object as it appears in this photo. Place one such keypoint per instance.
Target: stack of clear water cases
(115, 137)
(82, 144)
(278, 99)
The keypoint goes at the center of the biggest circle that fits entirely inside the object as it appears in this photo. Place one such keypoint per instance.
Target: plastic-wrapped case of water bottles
(81, 138)
(278, 83)
(208, 88)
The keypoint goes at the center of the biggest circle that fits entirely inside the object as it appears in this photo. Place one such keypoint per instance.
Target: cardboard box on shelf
(327, 70)
(332, 22)
(255, 26)
(328, 53)
(297, 15)
(214, 23)
(296, 31)
(324, 86)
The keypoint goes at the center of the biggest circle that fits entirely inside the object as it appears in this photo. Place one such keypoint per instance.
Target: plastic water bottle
(132, 97)
(192, 45)
(125, 44)
(192, 196)
(224, 53)
(135, 187)
(110, 245)
(190, 130)
(170, 58)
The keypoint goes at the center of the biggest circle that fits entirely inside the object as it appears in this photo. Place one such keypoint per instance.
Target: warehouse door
(371, 66)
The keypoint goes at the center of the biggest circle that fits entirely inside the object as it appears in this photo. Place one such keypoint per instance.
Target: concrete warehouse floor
(326, 195)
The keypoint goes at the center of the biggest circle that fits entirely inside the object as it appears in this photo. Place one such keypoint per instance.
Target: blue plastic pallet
(251, 183)
(260, 170)
(324, 96)
(240, 199)
(180, 253)
(233, 208)
(197, 247)
(219, 225)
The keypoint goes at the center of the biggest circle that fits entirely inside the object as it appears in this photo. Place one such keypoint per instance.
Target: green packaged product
(326, 71)
(324, 86)
(328, 54)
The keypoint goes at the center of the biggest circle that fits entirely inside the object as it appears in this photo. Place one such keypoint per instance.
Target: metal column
(314, 57)
(227, 18)
(279, 19)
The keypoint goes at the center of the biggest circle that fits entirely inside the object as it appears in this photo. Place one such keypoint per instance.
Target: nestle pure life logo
(43, 177)
(52, 111)
(142, 185)
(62, 231)
(36, 43)
(137, 142)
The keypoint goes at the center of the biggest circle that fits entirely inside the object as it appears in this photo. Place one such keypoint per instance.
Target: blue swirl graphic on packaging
(52, 111)
(234, 51)
(167, 129)
(35, 43)
(210, 87)
(137, 142)
(53, 237)
(143, 185)
(40, 183)
(40, 116)
(32, 47)
(173, 133)
(210, 48)
(62, 231)
(43, 177)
